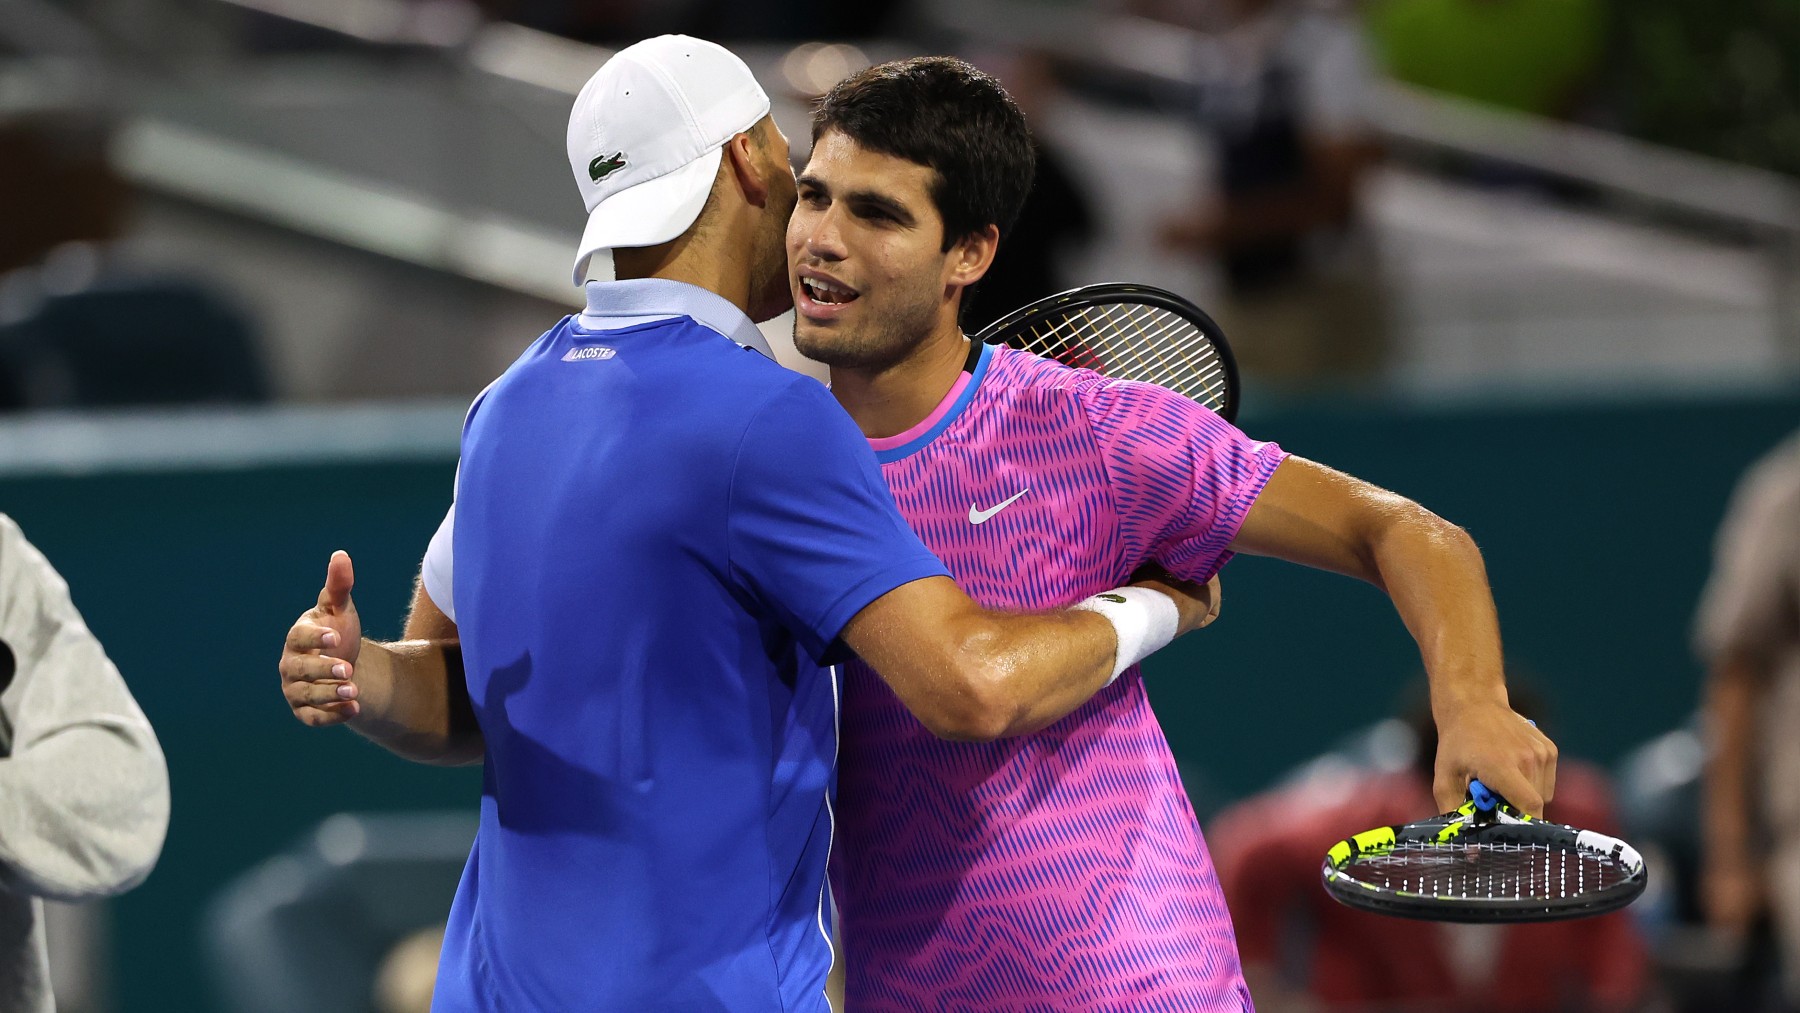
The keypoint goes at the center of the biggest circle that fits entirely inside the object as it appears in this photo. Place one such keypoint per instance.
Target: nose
(824, 237)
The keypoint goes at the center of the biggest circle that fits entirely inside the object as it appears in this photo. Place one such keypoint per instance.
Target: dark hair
(942, 113)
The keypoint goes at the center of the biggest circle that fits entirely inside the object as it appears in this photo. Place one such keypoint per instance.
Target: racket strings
(1488, 871)
(1138, 342)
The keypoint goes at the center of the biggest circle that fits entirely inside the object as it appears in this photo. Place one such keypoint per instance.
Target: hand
(1197, 603)
(1507, 752)
(1731, 892)
(318, 661)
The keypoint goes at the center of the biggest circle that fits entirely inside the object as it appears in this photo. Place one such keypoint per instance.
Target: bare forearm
(967, 673)
(1314, 516)
(1435, 575)
(414, 702)
(1030, 671)
(1731, 695)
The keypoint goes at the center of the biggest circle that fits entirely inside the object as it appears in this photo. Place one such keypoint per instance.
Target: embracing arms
(1310, 514)
(968, 673)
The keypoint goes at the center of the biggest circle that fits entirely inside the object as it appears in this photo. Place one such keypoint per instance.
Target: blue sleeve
(813, 530)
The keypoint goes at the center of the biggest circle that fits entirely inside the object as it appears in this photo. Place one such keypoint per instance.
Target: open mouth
(827, 293)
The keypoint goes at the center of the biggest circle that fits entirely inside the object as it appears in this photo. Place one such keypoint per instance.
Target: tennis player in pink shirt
(1062, 868)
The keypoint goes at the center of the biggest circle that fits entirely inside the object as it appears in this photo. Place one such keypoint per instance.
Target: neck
(891, 400)
(694, 257)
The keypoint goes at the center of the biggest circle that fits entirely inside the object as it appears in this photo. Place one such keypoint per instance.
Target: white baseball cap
(646, 136)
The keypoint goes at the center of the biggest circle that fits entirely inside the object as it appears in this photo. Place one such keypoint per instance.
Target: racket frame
(1115, 293)
(1469, 825)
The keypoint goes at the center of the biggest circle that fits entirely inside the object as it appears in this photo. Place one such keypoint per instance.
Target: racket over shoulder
(1128, 332)
(1492, 866)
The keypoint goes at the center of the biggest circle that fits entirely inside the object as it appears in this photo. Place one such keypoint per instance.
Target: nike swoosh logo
(982, 516)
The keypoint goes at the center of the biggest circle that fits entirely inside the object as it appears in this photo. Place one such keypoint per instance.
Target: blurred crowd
(1284, 93)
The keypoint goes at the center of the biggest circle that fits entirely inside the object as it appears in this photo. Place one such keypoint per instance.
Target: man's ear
(972, 255)
(740, 156)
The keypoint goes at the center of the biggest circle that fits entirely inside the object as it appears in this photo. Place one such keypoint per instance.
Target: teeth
(826, 292)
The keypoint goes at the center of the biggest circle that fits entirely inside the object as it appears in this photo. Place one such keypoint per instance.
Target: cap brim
(654, 211)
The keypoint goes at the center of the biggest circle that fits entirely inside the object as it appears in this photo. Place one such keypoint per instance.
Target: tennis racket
(1484, 862)
(1128, 332)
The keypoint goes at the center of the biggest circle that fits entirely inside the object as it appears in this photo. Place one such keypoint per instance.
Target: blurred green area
(1719, 79)
(1530, 55)
(1716, 79)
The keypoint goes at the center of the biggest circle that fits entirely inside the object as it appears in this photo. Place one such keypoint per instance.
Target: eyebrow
(874, 197)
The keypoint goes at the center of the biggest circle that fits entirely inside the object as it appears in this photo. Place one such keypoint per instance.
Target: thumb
(340, 577)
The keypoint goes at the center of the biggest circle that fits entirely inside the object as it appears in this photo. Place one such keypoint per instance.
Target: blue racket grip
(1485, 799)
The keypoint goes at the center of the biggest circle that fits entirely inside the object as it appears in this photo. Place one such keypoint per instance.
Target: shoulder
(788, 418)
(1766, 502)
(20, 561)
(1141, 413)
(1012, 369)
(1014, 373)
(1775, 477)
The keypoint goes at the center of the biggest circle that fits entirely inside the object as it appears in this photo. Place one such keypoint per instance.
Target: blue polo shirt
(658, 535)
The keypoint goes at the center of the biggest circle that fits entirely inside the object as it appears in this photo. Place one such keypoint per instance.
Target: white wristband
(1145, 621)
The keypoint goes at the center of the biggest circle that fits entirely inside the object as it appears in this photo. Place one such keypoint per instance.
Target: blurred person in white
(84, 792)
(1749, 635)
(1284, 92)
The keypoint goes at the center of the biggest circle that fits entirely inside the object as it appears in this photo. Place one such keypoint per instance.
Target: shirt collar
(611, 303)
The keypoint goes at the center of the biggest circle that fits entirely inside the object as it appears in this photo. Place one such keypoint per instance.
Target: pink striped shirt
(1061, 870)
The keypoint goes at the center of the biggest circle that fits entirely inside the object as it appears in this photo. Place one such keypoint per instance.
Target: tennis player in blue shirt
(661, 542)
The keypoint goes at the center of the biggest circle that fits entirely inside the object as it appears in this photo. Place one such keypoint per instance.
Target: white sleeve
(84, 795)
(439, 566)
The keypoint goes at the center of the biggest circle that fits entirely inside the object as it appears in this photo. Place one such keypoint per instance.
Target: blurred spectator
(1057, 219)
(364, 895)
(408, 974)
(75, 195)
(1285, 92)
(1749, 633)
(1535, 56)
(1302, 950)
(72, 335)
(82, 778)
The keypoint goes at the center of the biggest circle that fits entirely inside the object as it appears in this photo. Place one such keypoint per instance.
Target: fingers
(316, 683)
(1517, 789)
(1505, 751)
(318, 688)
(1524, 785)
(308, 636)
(340, 578)
(1215, 594)
(318, 694)
(315, 668)
(322, 717)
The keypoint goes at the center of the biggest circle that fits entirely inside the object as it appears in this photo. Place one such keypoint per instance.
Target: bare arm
(1732, 889)
(968, 673)
(407, 696)
(1310, 514)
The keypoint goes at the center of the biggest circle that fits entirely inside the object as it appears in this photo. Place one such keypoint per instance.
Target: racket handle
(1485, 799)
